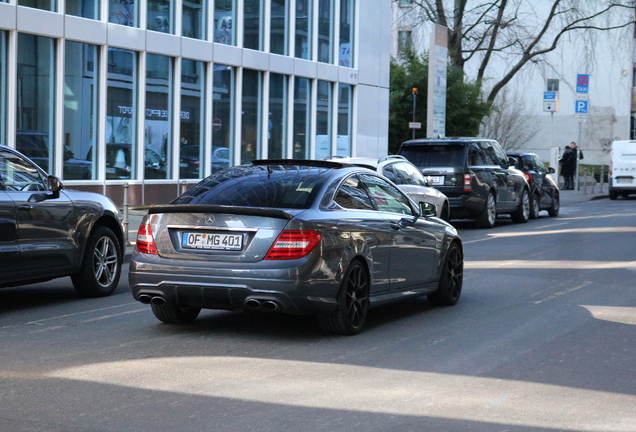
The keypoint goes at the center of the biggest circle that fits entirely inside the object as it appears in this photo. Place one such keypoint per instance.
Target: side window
(18, 174)
(540, 166)
(476, 156)
(351, 195)
(500, 155)
(489, 154)
(389, 172)
(386, 197)
(414, 174)
(405, 178)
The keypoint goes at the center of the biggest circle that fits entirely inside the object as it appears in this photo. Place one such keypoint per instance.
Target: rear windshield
(292, 187)
(435, 155)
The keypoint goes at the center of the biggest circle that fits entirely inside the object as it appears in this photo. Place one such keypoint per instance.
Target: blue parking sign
(580, 107)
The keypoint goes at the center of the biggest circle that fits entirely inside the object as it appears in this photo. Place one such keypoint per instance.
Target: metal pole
(126, 205)
(578, 145)
(414, 106)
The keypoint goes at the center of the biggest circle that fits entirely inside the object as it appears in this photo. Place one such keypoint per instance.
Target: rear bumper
(466, 206)
(294, 290)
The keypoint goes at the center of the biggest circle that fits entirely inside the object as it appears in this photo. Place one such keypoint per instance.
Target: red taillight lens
(145, 240)
(293, 245)
(468, 187)
(528, 176)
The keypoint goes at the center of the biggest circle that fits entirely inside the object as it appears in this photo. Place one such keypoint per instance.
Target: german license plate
(623, 180)
(437, 180)
(212, 241)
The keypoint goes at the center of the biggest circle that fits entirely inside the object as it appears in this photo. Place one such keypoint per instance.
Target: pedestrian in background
(568, 165)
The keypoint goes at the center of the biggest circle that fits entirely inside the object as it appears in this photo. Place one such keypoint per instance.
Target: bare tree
(510, 122)
(517, 31)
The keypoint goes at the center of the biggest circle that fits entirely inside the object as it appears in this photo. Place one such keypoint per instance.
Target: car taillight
(468, 187)
(293, 245)
(528, 176)
(145, 240)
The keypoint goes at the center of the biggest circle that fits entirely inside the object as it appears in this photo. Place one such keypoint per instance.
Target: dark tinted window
(352, 195)
(259, 186)
(386, 197)
(389, 172)
(451, 155)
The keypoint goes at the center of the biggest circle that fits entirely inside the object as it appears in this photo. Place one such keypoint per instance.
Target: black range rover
(476, 176)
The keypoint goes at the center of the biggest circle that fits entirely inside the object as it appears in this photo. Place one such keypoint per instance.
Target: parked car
(48, 232)
(189, 161)
(475, 175)
(35, 146)
(294, 236)
(407, 177)
(544, 192)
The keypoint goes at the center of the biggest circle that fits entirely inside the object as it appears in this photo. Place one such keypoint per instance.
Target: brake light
(468, 187)
(293, 245)
(145, 240)
(528, 176)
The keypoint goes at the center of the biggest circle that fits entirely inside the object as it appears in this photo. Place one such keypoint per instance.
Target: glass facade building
(166, 92)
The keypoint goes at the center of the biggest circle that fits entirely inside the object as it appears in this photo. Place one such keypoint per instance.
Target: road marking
(564, 292)
(39, 322)
(88, 321)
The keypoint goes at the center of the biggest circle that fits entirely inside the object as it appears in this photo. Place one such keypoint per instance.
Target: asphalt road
(543, 339)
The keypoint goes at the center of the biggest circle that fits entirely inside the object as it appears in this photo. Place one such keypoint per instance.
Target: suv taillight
(145, 240)
(293, 245)
(468, 187)
(528, 176)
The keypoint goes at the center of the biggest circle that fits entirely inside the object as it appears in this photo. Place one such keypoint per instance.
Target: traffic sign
(582, 83)
(415, 125)
(551, 101)
(580, 107)
(549, 95)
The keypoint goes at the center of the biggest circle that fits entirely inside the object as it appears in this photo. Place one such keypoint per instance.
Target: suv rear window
(290, 187)
(435, 155)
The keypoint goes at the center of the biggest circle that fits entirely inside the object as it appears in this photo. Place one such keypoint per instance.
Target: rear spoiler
(209, 208)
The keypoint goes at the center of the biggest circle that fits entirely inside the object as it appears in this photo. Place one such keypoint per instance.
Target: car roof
(516, 153)
(367, 162)
(445, 140)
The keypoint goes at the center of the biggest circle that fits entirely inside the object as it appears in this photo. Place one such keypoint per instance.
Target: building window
(278, 27)
(48, 5)
(35, 99)
(224, 17)
(405, 41)
(158, 127)
(251, 119)
(304, 26)
(223, 117)
(253, 24)
(277, 117)
(192, 141)
(194, 13)
(345, 97)
(123, 12)
(3, 87)
(325, 31)
(160, 16)
(121, 115)
(323, 120)
(81, 84)
(302, 111)
(83, 8)
(346, 33)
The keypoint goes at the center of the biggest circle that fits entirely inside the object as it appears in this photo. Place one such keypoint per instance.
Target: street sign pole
(580, 108)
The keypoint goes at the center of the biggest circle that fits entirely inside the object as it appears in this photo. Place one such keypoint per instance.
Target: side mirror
(54, 184)
(551, 170)
(512, 162)
(428, 209)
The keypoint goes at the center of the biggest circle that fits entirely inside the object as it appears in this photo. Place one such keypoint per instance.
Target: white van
(622, 180)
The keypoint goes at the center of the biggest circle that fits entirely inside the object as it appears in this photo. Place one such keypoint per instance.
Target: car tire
(486, 219)
(613, 195)
(535, 207)
(352, 303)
(553, 211)
(523, 212)
(101, 264)
(446, 212)
(175, 314)
(451, 279)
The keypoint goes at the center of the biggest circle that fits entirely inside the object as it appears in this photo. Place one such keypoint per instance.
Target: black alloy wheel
(451, 279)
(352, 303)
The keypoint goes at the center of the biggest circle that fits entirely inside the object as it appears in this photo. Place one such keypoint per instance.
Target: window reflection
(194, 14)
(345, 96)
(192, 141)
(3, 86)
(83, 8)
(323, 120)
(303, 28)
(80, 110)
(279, 26)
(35, 99)
(123, 12)
(345, 52)
(302, 100)
(251, 119)
(224, 17)
(48, 5)
(277, 118)
(160, 13)
(325, 31)
(158, 125)
(253, 24)
(121, 115)
(223, 117)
